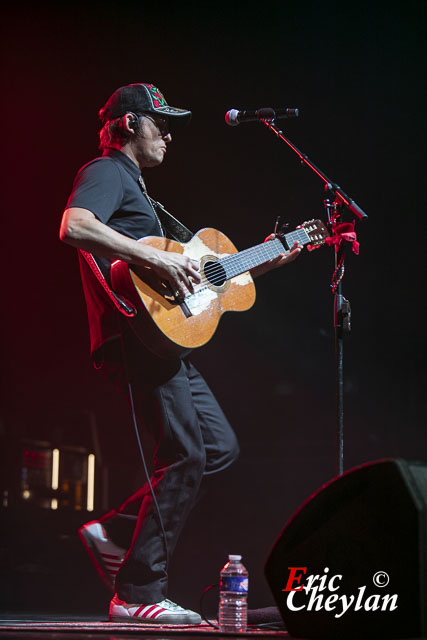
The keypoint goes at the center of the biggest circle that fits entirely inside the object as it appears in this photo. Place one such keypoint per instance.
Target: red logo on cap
(157, 96)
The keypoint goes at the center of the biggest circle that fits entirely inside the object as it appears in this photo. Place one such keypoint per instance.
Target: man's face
(149, 145)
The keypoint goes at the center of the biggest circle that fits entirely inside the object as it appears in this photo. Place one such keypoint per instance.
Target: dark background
(357, 74)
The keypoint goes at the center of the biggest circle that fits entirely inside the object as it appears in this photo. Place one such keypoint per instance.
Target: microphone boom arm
(341, 305)
(331, 186)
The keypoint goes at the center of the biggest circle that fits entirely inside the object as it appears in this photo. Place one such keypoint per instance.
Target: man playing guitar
(107, 213)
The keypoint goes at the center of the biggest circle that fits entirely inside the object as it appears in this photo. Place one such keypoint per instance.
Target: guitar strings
(218, 269)
(245, 262)
(245, 259)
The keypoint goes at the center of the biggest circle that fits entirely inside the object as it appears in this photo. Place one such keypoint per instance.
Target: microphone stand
(334, 207)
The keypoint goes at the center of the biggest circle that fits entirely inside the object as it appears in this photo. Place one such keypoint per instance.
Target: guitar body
(169, 327)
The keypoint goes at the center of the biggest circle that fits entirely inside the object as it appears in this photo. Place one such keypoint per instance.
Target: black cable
(202, 612)
(138, 439)
(273, 626)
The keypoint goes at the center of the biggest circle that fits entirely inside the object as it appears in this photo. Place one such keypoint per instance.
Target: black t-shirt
(109, 187)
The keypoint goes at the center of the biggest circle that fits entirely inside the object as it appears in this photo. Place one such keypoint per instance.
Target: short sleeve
(98, 187)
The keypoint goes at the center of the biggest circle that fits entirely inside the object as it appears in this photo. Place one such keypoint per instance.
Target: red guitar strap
(124, 306)
(174, 228)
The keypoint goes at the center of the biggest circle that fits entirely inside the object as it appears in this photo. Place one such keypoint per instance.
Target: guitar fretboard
(250, 258)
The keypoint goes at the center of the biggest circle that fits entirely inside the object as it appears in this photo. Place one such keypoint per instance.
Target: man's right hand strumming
(181, 272)
(81, 229)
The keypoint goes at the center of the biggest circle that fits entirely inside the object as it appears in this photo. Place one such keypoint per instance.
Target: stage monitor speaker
(364, 535)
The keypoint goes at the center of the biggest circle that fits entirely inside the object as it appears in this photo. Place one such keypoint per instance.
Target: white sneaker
(105, 555)
(164, 612)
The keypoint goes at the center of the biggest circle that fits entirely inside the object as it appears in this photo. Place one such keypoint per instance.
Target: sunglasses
(161, 123)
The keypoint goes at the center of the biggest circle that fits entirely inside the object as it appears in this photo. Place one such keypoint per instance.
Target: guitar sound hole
(215, 273)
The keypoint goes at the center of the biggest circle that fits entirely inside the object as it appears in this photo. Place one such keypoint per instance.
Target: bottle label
(237, 584)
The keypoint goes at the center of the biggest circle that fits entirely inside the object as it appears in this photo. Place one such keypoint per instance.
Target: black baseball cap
(141, 98)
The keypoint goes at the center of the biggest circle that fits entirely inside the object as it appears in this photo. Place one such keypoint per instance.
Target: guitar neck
(250, 258)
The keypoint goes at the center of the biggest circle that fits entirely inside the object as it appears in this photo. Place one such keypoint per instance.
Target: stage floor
(38, 625)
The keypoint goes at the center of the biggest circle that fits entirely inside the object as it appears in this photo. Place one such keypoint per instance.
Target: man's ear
(130, 122)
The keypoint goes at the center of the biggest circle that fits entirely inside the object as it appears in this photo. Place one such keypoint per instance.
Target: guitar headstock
(316, 231)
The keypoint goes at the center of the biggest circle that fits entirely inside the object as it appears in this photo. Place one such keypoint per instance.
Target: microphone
(235, 117)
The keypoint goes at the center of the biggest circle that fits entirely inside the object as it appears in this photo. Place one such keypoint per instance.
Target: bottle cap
(231, 558)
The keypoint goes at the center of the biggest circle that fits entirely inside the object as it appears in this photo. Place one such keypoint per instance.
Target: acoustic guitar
(171, 326)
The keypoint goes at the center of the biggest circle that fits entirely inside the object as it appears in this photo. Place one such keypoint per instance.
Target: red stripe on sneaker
(148, 611)
(113, 560)
(112, 556)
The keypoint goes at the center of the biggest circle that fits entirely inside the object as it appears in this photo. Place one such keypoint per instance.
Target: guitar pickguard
(200, 300)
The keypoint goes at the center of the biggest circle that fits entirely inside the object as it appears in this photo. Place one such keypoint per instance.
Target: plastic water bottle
(233, 594)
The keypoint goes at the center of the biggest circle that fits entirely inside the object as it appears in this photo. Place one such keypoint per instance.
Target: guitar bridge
(185, 308)
(182, 303)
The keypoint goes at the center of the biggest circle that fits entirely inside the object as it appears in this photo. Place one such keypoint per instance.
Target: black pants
(193, 438)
